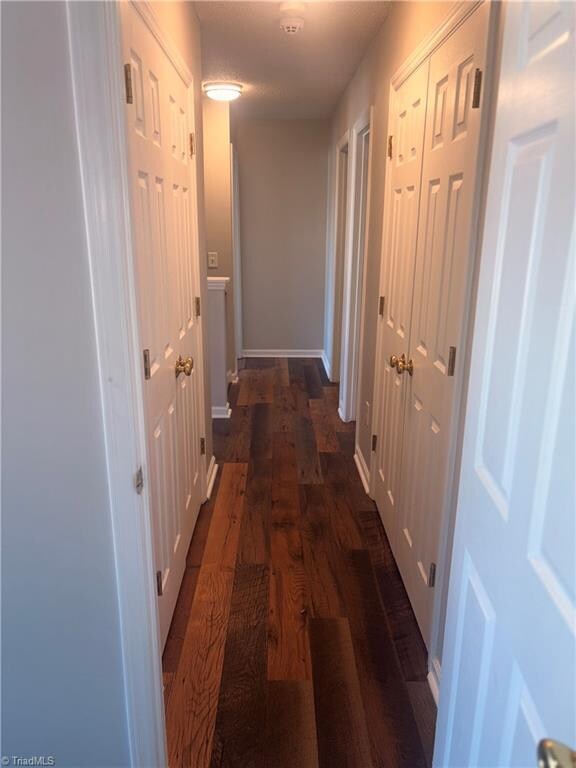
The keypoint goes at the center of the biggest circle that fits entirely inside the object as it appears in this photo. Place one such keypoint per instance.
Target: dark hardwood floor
(293, 643)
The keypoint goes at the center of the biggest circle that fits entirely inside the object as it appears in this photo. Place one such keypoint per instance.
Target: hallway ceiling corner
(287, 76)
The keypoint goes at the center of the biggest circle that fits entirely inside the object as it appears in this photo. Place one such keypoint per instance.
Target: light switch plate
(212, 260)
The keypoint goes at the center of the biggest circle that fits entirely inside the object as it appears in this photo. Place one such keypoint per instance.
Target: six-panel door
(427, 268)
(442, 279)
(510, 643)
(159, 122)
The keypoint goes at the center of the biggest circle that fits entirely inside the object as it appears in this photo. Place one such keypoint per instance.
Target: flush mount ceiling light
(221, 91)
(292, 18)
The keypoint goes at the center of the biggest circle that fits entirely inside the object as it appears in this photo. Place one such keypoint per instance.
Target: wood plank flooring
(293, 643)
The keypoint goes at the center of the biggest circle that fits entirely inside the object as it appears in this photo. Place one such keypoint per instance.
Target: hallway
(293, 642)
(192, 572)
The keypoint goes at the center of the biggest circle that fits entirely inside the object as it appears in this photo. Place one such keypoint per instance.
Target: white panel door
(509, 653)
(407, 117)
(441, 285)
(159, 123)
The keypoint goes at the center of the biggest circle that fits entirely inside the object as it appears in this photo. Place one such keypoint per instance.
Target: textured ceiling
(300, 76)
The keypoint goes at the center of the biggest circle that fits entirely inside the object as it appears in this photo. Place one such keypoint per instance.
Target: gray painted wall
(62, 688)
(283, 168)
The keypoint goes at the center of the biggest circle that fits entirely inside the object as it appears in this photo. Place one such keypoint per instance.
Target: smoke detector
(292, 18)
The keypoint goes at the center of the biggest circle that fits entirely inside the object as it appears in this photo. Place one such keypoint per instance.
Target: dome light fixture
(222, 91)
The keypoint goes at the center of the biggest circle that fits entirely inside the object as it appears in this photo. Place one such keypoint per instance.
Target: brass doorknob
(184, 366)
(393, 361)
(553, 754)
(405, 365)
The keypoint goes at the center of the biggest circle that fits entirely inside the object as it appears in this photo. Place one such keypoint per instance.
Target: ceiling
(286, 76)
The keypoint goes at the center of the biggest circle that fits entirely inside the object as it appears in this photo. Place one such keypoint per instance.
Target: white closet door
(407, 116)
(442, 278)
(510, 649)
(159, 122)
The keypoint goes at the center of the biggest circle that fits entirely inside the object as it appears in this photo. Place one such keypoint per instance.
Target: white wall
(283, 177)
(62, 690)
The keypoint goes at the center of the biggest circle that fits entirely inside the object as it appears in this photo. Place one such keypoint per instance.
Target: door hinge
(381, 305)
(197, 306)
(476, 93)
(374, 442)
(146, 355)
(159, 589)
(432, 575)
(451, 361)
(192, 144)
(139, 481)
(202, 446)
(390, 147)
(128, 83)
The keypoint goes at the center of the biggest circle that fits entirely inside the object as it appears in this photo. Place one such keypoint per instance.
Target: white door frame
(458, 13)
(354, 268)
(236, 255)
(97, 69)
(334, 267)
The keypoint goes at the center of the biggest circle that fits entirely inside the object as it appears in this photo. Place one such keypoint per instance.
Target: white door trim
(236, 256)
(333, 329)
(97, 69)
(200, 284)
(359, 457)
(94, 30)
(457, 15)
(377, 400)
(353, 293)
(144, 8)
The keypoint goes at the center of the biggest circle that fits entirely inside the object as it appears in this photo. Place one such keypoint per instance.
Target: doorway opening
(341, 232)
(354, 270)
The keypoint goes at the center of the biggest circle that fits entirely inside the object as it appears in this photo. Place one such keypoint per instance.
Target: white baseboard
(232, 377)
(221, 411)
(282, 353)
(340, 414)
(434, 679)
(363, 470)
(326, 364)
(211, 477)
(328, 368)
